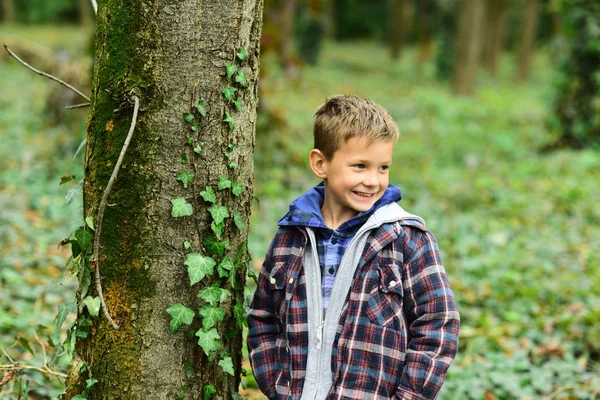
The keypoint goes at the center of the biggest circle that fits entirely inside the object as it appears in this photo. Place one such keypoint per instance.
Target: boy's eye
(359, 166)
(385, 167)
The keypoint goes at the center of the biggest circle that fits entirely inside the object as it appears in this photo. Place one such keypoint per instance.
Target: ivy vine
(211, 265)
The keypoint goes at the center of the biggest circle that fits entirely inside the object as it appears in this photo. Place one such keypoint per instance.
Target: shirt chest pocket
(386, 298)
(282, 286)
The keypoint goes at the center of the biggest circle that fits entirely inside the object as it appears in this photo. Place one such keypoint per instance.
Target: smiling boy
(352, 300)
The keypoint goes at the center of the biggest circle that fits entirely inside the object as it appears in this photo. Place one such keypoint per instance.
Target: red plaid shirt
(398, 331)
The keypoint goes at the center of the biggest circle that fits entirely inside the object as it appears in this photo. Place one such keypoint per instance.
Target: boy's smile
(355, 177)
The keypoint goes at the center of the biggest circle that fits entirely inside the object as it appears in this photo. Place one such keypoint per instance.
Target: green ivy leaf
(214, 246)
(240, 315)
(228, 92)
(66, 178)
(236, 188)
(201, 107)
(84, 238)
(209, 195)
(214, 295)
(228, 118)
(209, 341)
(89, 383)
(195, 126)
(89, 221)
(224, 182)
(190, 140)
(226, 365)
(181, 208)
(184, 159)
(218, 213)
(242, 54)
(85, 277)
(232, 165)
(231, 69)
(218, 229)
(92, 304)
(238, 220)
(180, 314)
(208, 391)
(63, 311)
(188, 117)
(198, 149)
(227, 263)
(185, 178)
(186, 245)
(210, 316)
(241, 78)
(199, 266)
(238, 104)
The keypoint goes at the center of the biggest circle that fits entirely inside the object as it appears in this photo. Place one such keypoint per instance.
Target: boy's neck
(335, 218)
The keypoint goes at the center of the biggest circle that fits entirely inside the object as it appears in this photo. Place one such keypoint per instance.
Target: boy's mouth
(363, 194)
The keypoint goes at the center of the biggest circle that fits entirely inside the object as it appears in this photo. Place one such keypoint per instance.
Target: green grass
(519, 230)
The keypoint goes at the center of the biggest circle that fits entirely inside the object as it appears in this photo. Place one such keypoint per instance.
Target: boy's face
(355, 177)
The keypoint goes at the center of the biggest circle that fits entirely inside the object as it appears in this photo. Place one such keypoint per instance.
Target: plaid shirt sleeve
(263, 331)
(432, 319)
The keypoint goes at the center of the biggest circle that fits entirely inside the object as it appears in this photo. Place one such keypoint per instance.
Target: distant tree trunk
(529, 28)
(157, 230)
(286, 36)
(496, 14)
(468, 46)
(578, 93)
(8, 10)
(402, 12)
(84, 9)
(424, 28)
(446, 53)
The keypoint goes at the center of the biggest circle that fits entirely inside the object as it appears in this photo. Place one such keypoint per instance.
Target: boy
(352, 300)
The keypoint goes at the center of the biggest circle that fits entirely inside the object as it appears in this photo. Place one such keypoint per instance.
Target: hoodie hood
(306, 209)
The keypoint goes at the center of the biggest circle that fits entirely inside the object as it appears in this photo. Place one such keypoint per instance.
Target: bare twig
(19, 367)
(82, 105)
(10, 53)
(102, 206)
(95, 6)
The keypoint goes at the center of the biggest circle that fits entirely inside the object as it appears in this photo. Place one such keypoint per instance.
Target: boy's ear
(318, 163)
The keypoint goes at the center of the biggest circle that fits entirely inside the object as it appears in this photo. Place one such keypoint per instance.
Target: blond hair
(342, 117)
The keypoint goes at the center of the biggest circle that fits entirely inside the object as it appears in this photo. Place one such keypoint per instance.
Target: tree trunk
(286, 37)
(528, 32)
(84, 10)
(171, 55)
(401, 20)
(468, 46)
(496, 16)
(424, 30)
(8, 10)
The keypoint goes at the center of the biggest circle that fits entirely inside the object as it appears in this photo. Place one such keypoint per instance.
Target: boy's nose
(371, 179)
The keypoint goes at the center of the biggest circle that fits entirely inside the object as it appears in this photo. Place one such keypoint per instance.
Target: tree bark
(495, 31)
(424, 31)
(84, 10)
(530, 19)
(402, 14)
(171, 55)
(468, 46)
(286, 36)
(8, 10)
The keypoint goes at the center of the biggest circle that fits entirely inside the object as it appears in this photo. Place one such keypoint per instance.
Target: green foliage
(231, 69)
(227, 365)
(218, 213)
(209, 341)
(228, 93)
(199, 266)
(181, 208)
(209, 195)
(242, 55)
(578, 101)
(208, 391)
(92, 304)
(185, 178)
(201, 107)
(224, 182)
(180, 315)
(210, 316)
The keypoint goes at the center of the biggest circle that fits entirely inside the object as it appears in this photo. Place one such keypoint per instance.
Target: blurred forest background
(499, 109)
